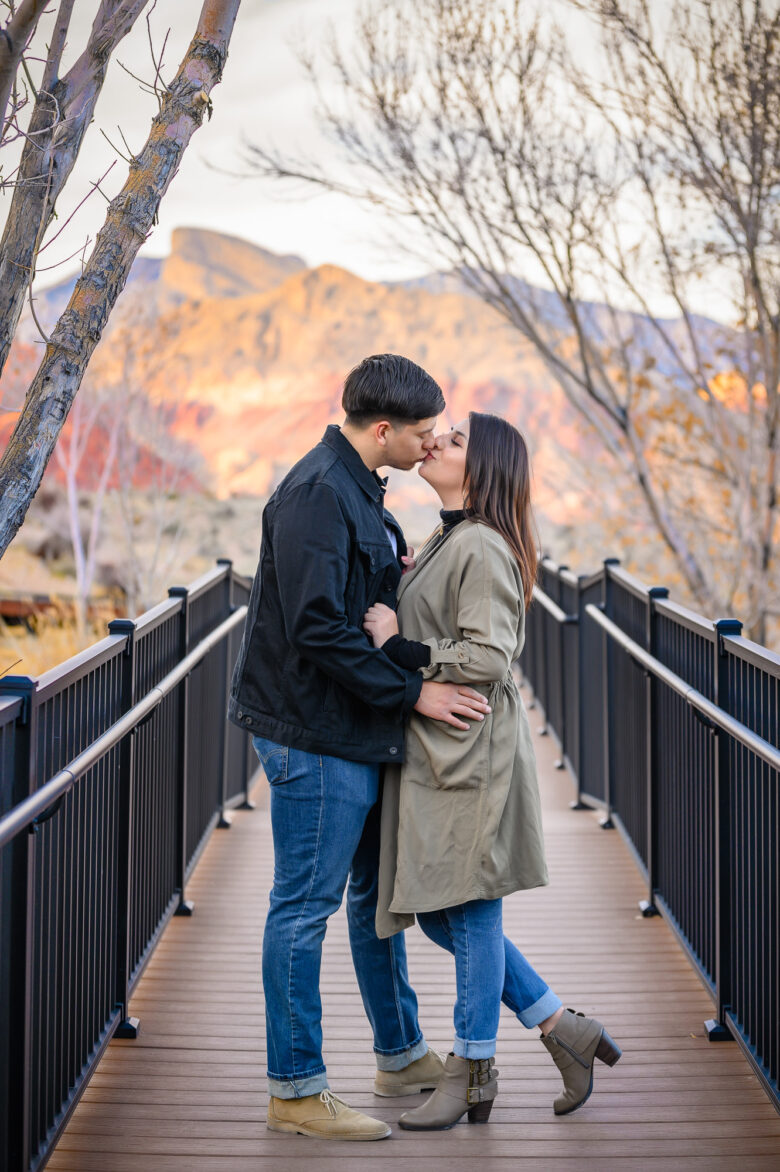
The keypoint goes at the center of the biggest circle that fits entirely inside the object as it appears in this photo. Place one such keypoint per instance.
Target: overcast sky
(264, 95)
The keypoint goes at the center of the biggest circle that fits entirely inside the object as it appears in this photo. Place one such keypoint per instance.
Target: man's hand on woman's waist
(448, 702)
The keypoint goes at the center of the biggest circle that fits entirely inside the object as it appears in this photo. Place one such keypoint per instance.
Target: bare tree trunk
(129, 220)
(13, 39)
(57, 127)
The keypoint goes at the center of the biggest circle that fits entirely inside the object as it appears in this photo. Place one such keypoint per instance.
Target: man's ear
(380, 432)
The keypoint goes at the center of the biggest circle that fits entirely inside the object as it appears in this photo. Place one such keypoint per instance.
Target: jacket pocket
(373, 562)
(273, 758)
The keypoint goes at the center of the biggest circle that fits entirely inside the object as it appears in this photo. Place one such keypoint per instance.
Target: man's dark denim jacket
(307, 675)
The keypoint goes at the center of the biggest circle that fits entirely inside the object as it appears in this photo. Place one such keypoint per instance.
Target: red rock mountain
(248, 351)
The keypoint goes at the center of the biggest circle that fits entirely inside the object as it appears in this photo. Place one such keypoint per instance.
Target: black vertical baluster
(647, 906)
(608, 710)
(128, 1026)
(716, 1028)
(185, 906)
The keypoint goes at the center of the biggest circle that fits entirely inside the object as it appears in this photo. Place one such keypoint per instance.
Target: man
(326, 709)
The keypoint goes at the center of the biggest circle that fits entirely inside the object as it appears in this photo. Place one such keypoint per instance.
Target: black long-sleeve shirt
(408, 653)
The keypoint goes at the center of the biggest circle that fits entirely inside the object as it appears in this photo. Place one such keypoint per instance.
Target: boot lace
(330, 1100)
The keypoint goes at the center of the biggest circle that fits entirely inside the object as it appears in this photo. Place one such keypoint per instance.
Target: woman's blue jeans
(325, 822)
(488, 970)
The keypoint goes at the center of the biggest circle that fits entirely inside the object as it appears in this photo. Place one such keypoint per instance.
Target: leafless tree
(595, 202)
(87, 456)
(155, 475)
(62, 113)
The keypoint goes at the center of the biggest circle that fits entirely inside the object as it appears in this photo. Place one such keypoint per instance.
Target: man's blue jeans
(488, 970)
(325, 821)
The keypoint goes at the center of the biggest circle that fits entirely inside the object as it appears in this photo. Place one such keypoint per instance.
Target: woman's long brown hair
(497, 488)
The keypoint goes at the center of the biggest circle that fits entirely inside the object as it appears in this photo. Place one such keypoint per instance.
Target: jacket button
(393, 750)
(240, 714)
(247, 720)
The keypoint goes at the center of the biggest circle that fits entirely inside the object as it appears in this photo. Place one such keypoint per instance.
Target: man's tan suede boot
(324, 1116)
(421, 1075)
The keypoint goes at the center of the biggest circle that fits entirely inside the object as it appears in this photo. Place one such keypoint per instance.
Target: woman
(461, 818)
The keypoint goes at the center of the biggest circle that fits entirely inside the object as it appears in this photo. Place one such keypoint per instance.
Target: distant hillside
(248, 352)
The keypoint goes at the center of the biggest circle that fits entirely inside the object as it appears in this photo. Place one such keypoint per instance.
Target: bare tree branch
(57, 47)
(13, 41)
(128, 222)
(581, 206)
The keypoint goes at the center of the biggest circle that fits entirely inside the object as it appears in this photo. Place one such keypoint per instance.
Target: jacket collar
(372, 485)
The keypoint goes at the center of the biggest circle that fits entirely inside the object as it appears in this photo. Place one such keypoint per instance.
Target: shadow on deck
(189, 1092)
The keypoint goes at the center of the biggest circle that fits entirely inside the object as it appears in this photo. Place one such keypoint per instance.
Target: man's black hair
(388, 386)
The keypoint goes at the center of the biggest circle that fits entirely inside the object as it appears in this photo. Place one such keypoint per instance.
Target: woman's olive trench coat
(461, 817)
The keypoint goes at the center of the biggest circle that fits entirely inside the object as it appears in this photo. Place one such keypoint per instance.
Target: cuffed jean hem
(540, 1010)
(486, 1049)
(400, 1059)
(298, 1088)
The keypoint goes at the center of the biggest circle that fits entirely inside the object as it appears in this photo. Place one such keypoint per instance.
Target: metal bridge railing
(670, 724)
(116, 766)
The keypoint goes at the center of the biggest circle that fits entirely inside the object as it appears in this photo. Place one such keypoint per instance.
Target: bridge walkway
(188, 1094)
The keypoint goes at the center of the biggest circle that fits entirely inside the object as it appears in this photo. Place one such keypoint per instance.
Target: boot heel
(481, 1112)
(608, 1050)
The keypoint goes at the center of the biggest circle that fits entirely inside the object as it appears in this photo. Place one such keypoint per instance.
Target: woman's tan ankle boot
(467, 1084)
(575, 1042)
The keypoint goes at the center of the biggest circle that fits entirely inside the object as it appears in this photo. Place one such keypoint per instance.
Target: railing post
(647, 906)
(129, 1026)
(716, 1028)
(185, 907)
(578, 803)
(606, 822)
(542, 692)
(559, 762)
(224, 821)
(531, 677)
(17, 945)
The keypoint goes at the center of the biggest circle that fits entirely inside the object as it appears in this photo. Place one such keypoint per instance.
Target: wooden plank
(355, 1158)
(500, 1143)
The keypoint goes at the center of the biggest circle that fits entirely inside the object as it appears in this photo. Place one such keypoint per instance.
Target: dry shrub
(49, 637)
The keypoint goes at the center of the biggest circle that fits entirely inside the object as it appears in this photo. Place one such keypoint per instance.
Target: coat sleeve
(488, 612)
(311, 547)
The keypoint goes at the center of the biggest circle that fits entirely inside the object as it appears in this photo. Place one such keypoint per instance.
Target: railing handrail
(740, 732)
(556, 611)
(26, 812)
(667, 722)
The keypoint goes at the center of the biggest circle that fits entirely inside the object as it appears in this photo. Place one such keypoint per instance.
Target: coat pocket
(439, 756)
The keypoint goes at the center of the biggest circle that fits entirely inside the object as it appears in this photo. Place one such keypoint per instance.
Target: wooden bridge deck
(188, 1095)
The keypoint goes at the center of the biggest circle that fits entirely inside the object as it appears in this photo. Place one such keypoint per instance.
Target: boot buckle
(474, 1095)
